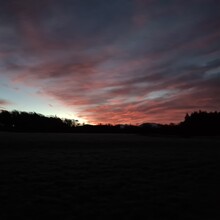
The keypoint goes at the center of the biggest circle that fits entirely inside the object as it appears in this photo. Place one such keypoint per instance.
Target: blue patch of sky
(27, 99)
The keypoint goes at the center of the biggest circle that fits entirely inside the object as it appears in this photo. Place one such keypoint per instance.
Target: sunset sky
(116, 61)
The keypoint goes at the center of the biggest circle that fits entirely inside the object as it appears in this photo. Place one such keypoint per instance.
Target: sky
(118, 61)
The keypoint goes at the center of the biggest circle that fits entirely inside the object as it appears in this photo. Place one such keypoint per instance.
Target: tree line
(196, 123)
(31, 121)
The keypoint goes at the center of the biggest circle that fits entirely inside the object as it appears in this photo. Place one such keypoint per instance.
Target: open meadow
(68, 176)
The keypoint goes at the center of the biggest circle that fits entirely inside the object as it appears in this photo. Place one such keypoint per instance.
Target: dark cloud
(118, 61)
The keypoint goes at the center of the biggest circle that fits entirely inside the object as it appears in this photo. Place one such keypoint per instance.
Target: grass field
(69, 176)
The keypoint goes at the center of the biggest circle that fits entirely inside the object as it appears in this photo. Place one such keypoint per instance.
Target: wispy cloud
(4, 103)
(126, 61)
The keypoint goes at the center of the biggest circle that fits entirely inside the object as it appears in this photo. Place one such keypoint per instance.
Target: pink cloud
(103, 100)
(4, 103)
(110, 76)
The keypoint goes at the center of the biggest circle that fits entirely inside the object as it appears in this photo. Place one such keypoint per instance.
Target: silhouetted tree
(201, 123)
(196, 123)
(23, 121)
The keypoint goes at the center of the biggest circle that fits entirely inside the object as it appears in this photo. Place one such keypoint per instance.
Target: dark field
(65, 176)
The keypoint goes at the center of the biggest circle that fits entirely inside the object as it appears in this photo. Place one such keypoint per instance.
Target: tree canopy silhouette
(23, 121)
(201, 123)
(196, 123)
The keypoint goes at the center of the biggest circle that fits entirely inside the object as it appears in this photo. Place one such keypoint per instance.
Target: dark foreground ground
(70, 176)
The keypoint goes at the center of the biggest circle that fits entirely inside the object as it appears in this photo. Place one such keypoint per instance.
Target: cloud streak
(123, 62)
(4, 103)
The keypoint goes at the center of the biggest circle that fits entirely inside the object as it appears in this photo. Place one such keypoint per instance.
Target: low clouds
(4, 103)
(118, 62)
